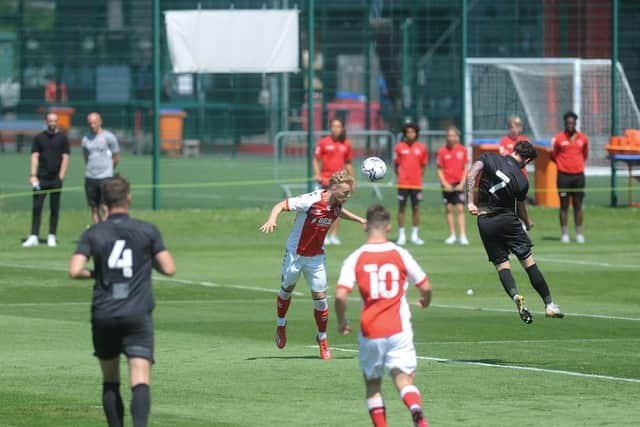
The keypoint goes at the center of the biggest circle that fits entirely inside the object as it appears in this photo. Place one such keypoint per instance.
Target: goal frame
(577, 64)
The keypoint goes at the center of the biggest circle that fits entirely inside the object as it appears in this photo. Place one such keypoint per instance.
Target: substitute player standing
(382, 271)
(452, 171)
(507, 142)
(124, 250)
(570, 152)
(501, 211)
(411, 159)
(101, 155)
(332, 154)
(315, 212)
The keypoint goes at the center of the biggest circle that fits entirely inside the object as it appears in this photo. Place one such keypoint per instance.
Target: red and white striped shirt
(382, 272)
(313, 220)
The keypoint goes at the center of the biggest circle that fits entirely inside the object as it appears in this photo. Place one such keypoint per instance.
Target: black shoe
(523, 311)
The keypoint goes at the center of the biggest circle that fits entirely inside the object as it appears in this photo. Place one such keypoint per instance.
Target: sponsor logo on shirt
(322, 222)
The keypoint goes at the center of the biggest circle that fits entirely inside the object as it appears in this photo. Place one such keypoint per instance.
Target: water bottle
(36, 187)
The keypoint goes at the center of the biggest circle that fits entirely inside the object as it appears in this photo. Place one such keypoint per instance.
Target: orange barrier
(546, 176)
(171, 131)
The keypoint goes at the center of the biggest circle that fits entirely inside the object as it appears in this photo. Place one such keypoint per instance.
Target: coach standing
(101, 155)
(49, 163)
(570, 151)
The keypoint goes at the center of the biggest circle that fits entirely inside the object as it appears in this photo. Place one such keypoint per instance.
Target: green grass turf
(217, 364)
(222, 182)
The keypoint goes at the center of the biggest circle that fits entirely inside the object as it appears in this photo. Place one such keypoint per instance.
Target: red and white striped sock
(377, 411)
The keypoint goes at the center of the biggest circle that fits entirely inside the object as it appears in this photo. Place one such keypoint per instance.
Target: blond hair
(514, 120)
(453, 128)
(341, 177)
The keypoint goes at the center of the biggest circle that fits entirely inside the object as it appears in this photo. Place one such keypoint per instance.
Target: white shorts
(313, 268)
(394, 352)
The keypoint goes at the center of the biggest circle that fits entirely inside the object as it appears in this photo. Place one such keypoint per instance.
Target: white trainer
(51, 241)
(402, 240)
(565, 238)
(450, 240)
(463, 240)
(579, 238)
(32, 240)
(335, 240)
(417, 241)
(552, 310)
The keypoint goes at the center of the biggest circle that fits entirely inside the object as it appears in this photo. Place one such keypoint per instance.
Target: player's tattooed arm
(475, 170)
(345, 214)
(271, 223)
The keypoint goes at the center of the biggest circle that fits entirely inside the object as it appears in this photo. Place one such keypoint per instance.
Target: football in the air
(373, 168)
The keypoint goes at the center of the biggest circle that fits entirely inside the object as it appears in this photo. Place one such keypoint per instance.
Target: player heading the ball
(501, 212)
(304, 254)
(382, 271)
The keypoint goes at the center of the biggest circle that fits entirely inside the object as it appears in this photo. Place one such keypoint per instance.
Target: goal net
(540, 91)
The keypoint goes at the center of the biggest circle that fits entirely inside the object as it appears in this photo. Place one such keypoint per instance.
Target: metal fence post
(310, 76)
(156, 105)
(614, 92)
(463, 69)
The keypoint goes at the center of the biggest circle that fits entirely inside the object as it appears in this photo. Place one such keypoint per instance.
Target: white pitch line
(159, 301)
(297, 293)
(514, 367)
(164, 279)
(589, 263)
(511, 342)
(504, 310)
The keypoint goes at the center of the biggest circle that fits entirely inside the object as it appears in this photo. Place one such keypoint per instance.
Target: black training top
(51, 147)
(502, 183)
(123, 250)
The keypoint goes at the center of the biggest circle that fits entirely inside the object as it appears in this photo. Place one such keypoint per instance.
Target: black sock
(508, 282)
(112, 404)
(140, 404)
(537, 281)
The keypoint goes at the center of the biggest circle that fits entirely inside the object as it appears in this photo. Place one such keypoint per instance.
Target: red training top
(411, 160)
(570, 153)
(452, 161)
(507, 143)
(333, 155)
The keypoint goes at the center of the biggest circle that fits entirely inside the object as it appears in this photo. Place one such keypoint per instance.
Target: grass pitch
(217, 364)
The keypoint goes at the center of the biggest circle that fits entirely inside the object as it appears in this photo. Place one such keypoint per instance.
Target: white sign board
(233, 41)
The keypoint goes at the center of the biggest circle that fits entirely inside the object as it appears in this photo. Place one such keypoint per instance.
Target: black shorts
(132, 336)
(408, 193)
(93, 190)
(502, 234)
(453, 197)
(574, 182)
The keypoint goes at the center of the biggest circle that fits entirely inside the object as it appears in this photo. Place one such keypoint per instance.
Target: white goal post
(541, 90)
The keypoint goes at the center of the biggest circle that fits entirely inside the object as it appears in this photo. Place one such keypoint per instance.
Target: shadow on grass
(298, 357)
(485, 361)
(551, 238)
